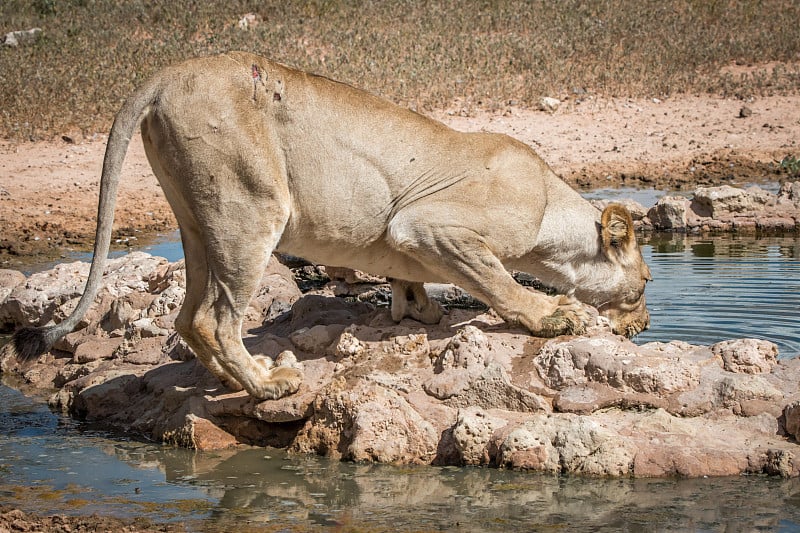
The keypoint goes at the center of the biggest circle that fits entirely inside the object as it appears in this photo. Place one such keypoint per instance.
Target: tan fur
(254, 156)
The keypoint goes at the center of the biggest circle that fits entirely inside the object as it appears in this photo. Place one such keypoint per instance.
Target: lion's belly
(375, 257)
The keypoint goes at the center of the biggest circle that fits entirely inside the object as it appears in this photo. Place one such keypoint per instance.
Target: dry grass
(426, 55)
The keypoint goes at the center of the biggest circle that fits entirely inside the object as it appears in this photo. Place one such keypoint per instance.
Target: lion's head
(623, 304)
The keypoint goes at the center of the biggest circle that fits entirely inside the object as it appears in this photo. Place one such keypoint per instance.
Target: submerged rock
(470, 390)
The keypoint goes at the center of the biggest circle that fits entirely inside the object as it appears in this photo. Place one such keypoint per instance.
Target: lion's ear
(616, 227)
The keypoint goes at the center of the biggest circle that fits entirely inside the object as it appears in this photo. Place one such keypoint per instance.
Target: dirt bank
(48, 191)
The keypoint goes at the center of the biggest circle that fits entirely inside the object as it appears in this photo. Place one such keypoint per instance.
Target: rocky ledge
(722, 209)
(469, 391)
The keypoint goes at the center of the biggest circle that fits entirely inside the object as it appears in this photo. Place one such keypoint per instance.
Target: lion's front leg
(411, 299)
(462, 256)
(569, 317)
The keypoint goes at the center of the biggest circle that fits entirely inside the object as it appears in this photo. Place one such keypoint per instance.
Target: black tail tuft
(28, 343)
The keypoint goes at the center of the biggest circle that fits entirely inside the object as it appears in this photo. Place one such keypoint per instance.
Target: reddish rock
(469, 390)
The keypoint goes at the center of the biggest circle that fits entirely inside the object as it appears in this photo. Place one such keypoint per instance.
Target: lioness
(254, 157)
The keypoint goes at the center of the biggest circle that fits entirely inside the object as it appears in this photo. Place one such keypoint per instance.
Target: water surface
(49, 464)
(709, 289)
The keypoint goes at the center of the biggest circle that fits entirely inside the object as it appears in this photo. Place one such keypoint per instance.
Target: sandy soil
(48, 191)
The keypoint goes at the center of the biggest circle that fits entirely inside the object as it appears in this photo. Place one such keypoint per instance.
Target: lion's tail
(30, 342)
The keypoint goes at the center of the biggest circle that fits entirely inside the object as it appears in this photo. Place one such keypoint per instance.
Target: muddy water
(50, 464)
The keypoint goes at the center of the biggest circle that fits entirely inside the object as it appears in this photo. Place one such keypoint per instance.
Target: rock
(21, 37)
(463, 360)
(314, 309)
(745, 112)
(40, 298)
(473, 434)
(791, 415)
(737, 388)
(167, 275)
(781, 463)
(549, 104)
(728, 208)
(275, 295)
(120, 315)
(749, 356)
(199, 433)
(790, 190)
(318, 339)
(568, 443)
(93, 349)
(166, 301)
(248, 21)
(717, 202)
(669, 213)
(615, 362)
(469, 390)
(145, 327)
(681, 452)
(367, 422)
(590, 397)
(9, 280)
(349, 346)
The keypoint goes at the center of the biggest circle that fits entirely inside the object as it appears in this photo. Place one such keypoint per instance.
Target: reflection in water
(68, 468)
(709, 289)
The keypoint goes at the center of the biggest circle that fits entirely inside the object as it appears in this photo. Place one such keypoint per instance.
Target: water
(166, 245)
(709, 289)
(49, 464)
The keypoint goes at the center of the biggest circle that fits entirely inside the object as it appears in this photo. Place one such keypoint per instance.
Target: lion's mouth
(629, 329)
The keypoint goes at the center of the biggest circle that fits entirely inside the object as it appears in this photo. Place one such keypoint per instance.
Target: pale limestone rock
(21, 37)
(749, 356)
(367, 422)
(670, 213)
(791, 413)
(473, 434)
(317, 339)
(567, 443)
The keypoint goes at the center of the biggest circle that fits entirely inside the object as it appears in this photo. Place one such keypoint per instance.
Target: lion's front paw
(568, 319)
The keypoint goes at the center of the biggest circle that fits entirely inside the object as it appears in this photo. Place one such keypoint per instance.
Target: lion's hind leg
(410, 299)
(220, 283)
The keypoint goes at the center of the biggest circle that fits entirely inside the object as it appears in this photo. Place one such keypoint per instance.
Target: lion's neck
(568, 254)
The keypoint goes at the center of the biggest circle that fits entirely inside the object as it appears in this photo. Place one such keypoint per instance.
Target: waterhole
(50, 464)
(709, 289)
